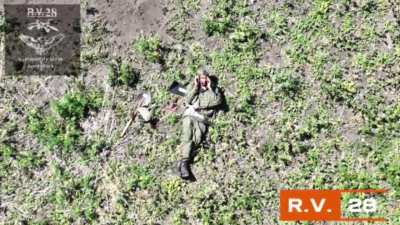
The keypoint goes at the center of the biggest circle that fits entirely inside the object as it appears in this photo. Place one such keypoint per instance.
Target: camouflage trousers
(193, 133)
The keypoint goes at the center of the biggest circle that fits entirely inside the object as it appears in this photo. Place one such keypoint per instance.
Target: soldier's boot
(184, 169)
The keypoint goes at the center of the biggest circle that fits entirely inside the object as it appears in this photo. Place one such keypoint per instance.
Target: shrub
(121, 73)
(285, 83)
(217, 25)
(219, 19)
(140, 178)
(6, 152)
(245, 37)
(53, 133)
(150, 48)
(223, 15)
(61, 128)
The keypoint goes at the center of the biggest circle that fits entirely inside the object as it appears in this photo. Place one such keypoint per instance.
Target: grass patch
(60, 129)
(122, 73)
(149, 47)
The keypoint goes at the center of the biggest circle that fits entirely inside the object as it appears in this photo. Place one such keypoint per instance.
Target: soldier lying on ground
(201, 101)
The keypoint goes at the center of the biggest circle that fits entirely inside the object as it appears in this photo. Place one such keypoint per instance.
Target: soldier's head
(204, 79)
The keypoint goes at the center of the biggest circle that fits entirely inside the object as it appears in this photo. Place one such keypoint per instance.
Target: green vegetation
(312, 93)
(60, 129)
(240, 58)
(285, 83)
(4, 26)
(93, 46)
(150, 47)
(223, 15)
(179, 25)
(121, 73)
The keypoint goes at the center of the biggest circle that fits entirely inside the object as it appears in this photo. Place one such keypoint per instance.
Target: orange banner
(317, 205)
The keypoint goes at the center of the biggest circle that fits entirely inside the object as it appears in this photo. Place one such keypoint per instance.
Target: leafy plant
(179, 25)
(240, 58)
(173, 119)
(6, 152)
(219, 20)
(121, 73)
(171, 188)
(149, 47)
(285, 83)
(140, 178)
(23, 159)
(222, 17)
(245, 37)
(76, 104)
(278, 24)
(52, 133)
(61, 128)
(4, 26)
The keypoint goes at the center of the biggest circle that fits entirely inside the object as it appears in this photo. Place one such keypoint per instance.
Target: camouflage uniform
(194, 129)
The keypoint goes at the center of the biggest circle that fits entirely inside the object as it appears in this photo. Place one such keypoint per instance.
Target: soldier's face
(203, 80)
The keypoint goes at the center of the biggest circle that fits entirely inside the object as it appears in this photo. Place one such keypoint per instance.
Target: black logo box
(42, 39)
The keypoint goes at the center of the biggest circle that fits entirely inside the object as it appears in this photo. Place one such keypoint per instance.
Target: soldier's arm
(214, 100)
(192, 92)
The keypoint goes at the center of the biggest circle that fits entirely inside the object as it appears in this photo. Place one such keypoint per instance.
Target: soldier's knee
(186, 149)
(186, 130)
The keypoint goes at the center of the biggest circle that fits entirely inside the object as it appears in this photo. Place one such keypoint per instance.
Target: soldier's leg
(199, 132)
(186, 138)
(186, 148)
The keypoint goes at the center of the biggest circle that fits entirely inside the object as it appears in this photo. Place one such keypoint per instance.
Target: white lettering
(295, 203)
